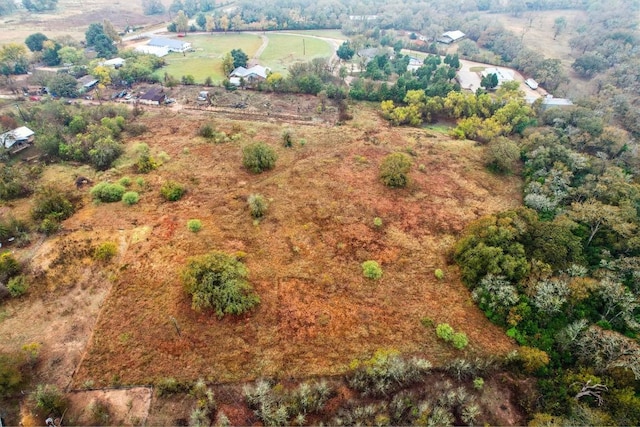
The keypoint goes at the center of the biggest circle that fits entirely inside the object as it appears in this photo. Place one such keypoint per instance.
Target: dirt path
(265, 42)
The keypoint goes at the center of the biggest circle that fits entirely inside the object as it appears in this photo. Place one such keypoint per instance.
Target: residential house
(451, 37)
(153, 50)
(17, 139)
(115, 63)
(153, 96)
(250, 76)
(414, 63)
(171, 44)
(504, 74)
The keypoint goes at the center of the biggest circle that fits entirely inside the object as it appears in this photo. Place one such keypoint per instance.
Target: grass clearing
(206, 61)
(287, 49)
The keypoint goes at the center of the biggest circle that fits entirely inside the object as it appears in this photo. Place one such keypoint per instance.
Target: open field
(206, 61)
(317, 313)
(284, 50)
(536, 30)
(281, 50)
(72, 17)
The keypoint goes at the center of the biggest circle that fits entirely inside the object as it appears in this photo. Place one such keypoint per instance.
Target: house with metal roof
(172, 45)
(17, 139)
(255, 74)
(451, 37)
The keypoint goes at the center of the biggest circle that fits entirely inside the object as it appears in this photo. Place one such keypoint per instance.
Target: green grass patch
(206, 61)
(331, 34)
(439, 127)
(477, 69)
(287, 49)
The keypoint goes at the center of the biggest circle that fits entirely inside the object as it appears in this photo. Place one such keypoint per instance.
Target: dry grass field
(317, 311)
(72, 17)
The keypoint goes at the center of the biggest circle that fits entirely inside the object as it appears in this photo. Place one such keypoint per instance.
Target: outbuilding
(17, 139)
(451, 37)
(153, 96)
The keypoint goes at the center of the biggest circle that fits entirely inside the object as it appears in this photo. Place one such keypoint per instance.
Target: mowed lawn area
(206, 61)
(287, 49)
(282, 51)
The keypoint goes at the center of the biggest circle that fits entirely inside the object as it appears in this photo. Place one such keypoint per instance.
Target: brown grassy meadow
(317, 313)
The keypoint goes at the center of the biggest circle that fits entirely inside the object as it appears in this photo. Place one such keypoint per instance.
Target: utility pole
(304, 48)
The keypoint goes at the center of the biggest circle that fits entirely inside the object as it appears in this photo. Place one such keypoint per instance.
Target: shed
(17, 139)
(451, 37)
(87, 82)
(172, 45)
(153, 96)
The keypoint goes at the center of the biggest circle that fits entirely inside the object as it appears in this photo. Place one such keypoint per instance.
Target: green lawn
(284, 50)
(331, 34)
(207, 59)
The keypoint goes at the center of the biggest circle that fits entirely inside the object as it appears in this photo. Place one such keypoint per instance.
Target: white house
(504, 74)
(153, 50)
(17, 139)
(255, 74)
(451, 37)
(414, 63)
(171, 44)
(115, 63)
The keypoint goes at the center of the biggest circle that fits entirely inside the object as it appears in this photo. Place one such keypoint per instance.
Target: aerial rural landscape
(319, 212)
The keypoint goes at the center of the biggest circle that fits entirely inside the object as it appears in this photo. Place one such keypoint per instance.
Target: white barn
(171, 44)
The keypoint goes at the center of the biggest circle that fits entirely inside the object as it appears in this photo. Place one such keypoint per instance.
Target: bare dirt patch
(317, 311)
(123, 407)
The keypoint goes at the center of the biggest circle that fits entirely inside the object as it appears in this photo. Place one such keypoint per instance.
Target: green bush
(257, 205)
(377, 222)
(287, 138)
(218, 281)
(478, 383)
(107, 193)
(17, 286)
(125, 181)
(207, 131)
(459, 340)
(371, 270)
(172, 191)
(105, 251)
(9, 266)
(52, 202)
(394, 169)
(439, 274)
(130, 198)
(194, 225)
(50, 400)
(258, 157)
(445, 332)
(49, 226)
(146, 163)
(10, 374)
(169, 385)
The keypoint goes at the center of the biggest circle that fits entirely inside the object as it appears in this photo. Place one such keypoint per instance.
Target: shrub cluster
(371, 270)
(458, 339)
(172, 191)
(107, 192)
(385, 373)
(257, 205)
(105, 251)
(394, 169)
(258, 157)
(194, 225)
(130, 198)
(217, 281)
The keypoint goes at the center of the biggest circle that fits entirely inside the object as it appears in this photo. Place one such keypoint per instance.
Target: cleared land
(285, 50)
(317, 312)
(206, 61)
